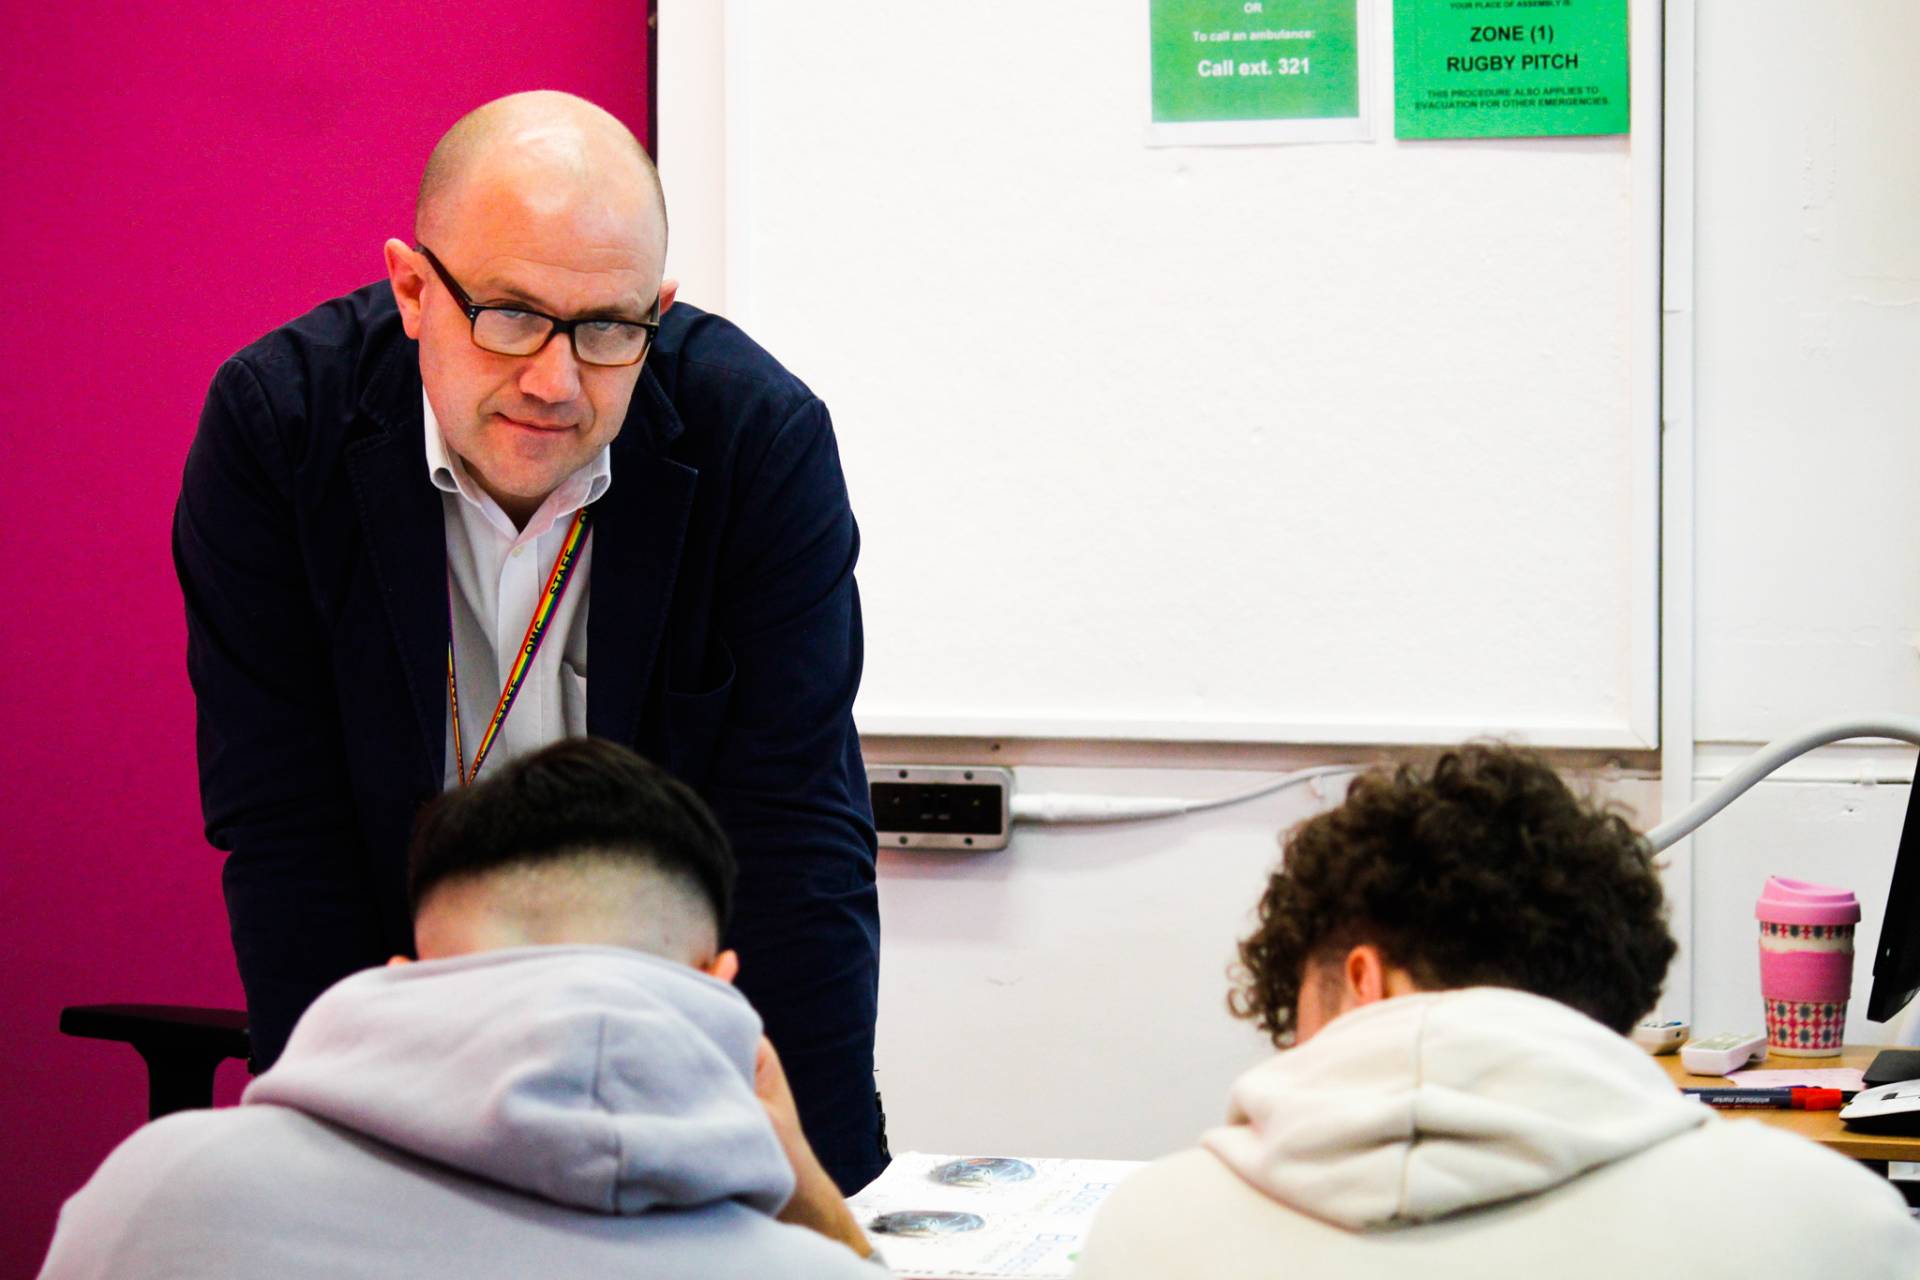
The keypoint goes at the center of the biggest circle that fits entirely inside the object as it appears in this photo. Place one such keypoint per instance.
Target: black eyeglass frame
(466, 303)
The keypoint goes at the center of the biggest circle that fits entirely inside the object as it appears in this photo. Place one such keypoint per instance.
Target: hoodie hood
(1420, 1106)
(595, 1077)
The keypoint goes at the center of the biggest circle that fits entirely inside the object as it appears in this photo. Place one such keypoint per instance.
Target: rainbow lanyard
(543, 610)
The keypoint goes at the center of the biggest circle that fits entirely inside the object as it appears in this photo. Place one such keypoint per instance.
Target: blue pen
(1789, 1099)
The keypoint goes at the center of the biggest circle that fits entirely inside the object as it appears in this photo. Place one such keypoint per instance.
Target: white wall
(693, 146)
(1086, 966)
(1806, 382)
(1065, 997)
(1808, 362)
(1830, 833)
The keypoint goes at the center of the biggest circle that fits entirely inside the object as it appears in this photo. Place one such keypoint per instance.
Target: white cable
(1066, 807)
(1772, 756)
(1046, 807)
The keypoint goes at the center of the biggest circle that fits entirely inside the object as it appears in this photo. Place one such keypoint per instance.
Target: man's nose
(552, 374)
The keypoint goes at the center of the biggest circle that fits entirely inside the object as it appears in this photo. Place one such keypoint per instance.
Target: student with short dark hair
(1448, 961)
(566, 1082)
(581, 802)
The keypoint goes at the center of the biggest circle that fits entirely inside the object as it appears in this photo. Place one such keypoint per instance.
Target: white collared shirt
(498, 573)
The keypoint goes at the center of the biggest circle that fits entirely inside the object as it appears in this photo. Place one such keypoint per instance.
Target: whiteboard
(1324, 443)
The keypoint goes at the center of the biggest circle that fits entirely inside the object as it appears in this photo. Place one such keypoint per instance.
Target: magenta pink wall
(178, 179)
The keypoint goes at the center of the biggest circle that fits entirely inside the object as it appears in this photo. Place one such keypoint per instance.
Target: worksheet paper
(1031, 1228)
(1845, 1078)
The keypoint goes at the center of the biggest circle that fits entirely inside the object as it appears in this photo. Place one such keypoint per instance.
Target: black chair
(182, 1045)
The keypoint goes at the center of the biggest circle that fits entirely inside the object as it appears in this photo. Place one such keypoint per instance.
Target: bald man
(513, 493)
(566, 1084)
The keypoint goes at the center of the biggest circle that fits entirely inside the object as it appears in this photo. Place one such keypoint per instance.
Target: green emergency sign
(1509, 68)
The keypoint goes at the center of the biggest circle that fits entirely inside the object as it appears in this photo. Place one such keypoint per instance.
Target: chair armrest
(182, 1046)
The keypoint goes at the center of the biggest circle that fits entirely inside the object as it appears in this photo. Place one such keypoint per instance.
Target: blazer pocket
(696, 720)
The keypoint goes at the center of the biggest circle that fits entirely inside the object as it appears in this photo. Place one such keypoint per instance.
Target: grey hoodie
(563, 1111)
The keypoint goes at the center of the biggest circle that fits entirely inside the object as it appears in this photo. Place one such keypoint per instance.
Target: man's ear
(406, 271)
(1369, 976)
(725, 966)
(668, 288)
(1365, 972)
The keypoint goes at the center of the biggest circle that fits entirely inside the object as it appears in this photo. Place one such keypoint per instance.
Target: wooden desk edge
(1823, 1127)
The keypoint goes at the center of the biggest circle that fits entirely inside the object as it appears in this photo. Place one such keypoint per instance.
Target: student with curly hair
(1448, 961)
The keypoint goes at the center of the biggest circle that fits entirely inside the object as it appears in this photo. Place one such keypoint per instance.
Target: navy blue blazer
(723, 642)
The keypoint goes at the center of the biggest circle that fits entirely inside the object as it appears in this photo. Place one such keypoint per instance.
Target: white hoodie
(564, 1111)
(1488, 1132)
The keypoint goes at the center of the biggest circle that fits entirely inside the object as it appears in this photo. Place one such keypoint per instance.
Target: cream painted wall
(1065, 996)
(1806, 382)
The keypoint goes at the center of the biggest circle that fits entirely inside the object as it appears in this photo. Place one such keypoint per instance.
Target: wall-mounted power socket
(940, 806)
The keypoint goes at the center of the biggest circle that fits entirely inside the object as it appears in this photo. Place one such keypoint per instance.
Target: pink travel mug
(1806, 965)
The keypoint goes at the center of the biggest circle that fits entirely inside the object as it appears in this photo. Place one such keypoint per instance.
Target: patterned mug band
(1806, 1026)
(1806, 937)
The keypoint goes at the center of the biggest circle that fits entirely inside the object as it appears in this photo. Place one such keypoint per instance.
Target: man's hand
(816, 1202)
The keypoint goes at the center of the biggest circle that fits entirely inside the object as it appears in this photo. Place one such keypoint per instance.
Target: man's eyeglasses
(518, 331)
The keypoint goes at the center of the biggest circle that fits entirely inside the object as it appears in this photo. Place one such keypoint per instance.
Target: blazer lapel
(639, 528)
(400, 513)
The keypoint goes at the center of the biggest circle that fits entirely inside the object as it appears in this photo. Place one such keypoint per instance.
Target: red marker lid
(1817, 1100)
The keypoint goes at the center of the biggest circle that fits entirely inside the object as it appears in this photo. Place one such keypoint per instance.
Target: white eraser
(1718, 1055)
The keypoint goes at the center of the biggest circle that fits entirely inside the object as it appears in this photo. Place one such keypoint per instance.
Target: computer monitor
(1896, 964)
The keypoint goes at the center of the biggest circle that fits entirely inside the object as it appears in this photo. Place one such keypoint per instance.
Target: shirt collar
(449, 475)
